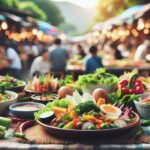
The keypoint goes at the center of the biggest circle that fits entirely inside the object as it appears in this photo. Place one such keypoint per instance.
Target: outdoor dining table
(75, 71)
(6, 144)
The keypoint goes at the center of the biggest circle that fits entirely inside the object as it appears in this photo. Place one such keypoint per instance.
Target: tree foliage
(9, 3)
(53, 13)
(43, 9)
(108, 8)
(32, 8)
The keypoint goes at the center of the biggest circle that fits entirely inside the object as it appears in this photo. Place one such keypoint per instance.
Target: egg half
(110, 110)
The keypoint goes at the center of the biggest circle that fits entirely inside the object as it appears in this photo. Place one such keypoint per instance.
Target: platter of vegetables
(12, 83)
(42, 84)
(84, 116)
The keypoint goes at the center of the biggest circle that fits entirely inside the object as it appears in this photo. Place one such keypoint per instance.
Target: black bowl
(33, 97)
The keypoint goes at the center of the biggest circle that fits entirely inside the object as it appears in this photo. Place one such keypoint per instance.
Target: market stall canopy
(143, 13)
(129, 13)
(2, 17)
(17, 12)
(126, 17)
(47, 28)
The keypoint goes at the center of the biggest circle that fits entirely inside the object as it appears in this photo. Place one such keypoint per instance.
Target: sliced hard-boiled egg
(110, 110)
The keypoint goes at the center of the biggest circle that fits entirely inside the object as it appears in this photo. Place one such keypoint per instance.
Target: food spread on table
(94, 103)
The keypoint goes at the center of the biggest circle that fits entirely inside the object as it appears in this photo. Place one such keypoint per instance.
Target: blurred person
(40, 65)
(142, 51)
(32, 51)
(58, 57)
(93, 61)
(81, 51)
(4, 63)
(115, 51)
(124, 47)
(15, 62)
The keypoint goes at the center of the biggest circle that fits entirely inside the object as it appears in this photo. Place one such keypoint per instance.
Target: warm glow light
(34, 31)
(4, 25)
(146, 31)
(147, 25)
(140, 24)
(134, 32)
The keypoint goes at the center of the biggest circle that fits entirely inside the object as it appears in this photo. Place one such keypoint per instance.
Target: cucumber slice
(5, 122)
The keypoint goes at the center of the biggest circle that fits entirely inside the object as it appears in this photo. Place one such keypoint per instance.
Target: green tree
(108, 8)
(9, 3)
(32, 8)
(53, 13)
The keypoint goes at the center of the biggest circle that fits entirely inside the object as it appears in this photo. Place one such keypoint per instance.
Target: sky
(82, 3)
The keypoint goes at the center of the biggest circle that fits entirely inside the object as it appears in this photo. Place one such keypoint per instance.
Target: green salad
(99, 77)
(4, 97)
(8, 82)
(59, 103)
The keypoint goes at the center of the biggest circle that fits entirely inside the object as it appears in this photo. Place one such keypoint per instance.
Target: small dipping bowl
(38, 98)
(142, 108)
(28, 113)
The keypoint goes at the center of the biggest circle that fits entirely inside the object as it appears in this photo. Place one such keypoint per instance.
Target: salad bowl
(11, 97)
(99, 79)
(12, 83)
(143, 105)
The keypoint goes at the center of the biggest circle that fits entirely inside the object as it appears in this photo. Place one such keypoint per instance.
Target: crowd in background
(42, 59)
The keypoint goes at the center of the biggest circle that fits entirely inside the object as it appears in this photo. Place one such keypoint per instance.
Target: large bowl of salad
(100, 79)
(12, 83)
(84, 117)
(7, 98)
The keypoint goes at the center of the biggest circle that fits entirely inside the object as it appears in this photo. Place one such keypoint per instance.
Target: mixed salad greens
(99, 77)
(7, 82)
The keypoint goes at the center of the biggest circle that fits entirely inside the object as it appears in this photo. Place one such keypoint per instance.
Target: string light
(146, 31)
(4, 25)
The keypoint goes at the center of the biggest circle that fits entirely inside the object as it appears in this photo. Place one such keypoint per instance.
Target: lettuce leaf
(63, 103)
(99, 77)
